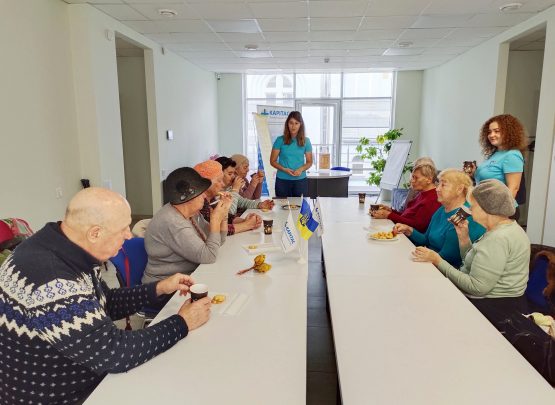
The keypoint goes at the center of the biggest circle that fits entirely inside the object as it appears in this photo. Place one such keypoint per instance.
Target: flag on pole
(317, 216)
(290, 236)
(306, 224)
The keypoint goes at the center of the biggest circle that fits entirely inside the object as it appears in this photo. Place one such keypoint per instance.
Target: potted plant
(376, 153)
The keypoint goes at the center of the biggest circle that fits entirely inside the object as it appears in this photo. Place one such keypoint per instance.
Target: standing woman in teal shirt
(292, 156)
(503, 139)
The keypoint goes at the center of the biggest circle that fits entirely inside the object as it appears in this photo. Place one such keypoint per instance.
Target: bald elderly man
(57, 336)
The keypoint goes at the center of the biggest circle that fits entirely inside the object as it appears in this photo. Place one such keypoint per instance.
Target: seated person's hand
(253, 220)
(423, 254)
(260, 174)
(266, 205)
(255, 179)
(462, 229)
(402, 228)
(195, 313)
(380, 214)
(177, 282)
(238, 184)
(221, 209)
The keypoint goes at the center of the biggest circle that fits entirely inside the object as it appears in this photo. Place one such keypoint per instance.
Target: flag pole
(302, 244)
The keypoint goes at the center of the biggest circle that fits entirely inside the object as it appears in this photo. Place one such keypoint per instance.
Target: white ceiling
(301, 35)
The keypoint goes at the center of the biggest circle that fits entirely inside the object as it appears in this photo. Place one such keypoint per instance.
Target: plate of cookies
(383, 236)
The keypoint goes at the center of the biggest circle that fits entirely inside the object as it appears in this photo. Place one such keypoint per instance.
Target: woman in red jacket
(418, 211)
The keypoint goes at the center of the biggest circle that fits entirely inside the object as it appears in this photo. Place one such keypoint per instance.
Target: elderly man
(57, 338)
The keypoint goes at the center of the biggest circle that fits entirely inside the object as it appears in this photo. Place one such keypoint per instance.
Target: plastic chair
(341, 168)
(130, 263)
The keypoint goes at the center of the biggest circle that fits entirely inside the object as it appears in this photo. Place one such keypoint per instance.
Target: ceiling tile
(454, 50)
(419, 43)
(197, 46)
(290, 54)
(286, 36)
(221, 10)
(403, 51)
(441, 21)
(333, 24)
(151, 11)
(389, 22)
(283, 24)
(285, 46)
(243, 38)
(331, 8)
(184, 37)
(328, 52)
(464, 41)
(366, 52)
(156, 27)
(378, 34)
(241, 26)
(425, 33)
(497, 20)
(476, 32)
(397, 8)
(240, 46)
(332, 35)
(121, 12)
(254, 54)
(281, 9)
(459, 7)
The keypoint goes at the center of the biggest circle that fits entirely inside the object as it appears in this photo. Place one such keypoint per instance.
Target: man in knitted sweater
(57, 337)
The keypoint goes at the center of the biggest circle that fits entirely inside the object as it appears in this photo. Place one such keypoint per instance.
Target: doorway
(522, 95)
(134, 128)
(321, 119)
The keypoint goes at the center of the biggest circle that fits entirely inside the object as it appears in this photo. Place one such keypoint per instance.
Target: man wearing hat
(57, 337)
(178, 239)
(496, 266)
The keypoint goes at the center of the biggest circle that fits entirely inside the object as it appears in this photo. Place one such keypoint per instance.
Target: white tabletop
(403, 333)
(327, 174)
(251, 351)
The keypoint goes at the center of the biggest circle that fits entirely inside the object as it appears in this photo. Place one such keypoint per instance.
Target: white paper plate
(372, 237)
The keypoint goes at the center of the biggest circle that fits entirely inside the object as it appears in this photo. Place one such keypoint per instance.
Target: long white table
(257, 356)
(403, 333)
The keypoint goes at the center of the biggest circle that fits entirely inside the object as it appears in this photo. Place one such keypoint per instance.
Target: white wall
(59, 107)
(180, 97)
(461, 94)
(231, 114)
(134, 127)
(38, 143)
(407, 108)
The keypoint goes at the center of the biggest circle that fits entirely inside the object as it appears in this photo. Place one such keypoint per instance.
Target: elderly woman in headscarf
(441, 236)
(178, 238)
(418, 211)
(251, 190)
(496, 266)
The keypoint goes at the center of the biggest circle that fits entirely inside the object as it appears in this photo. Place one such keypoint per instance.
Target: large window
(364, 101)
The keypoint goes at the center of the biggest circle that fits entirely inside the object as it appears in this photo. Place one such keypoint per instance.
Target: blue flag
(306, 224)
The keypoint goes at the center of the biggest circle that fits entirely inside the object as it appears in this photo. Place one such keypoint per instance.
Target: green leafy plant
(377, 154)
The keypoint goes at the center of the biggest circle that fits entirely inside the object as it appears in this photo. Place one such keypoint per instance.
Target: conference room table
(403, 333)
(253, 348)
(328, 183)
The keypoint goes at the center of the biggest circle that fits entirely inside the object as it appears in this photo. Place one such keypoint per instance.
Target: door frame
(327, 102)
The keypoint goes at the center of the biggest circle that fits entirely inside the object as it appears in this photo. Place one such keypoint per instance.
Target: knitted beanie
(209, 169)
(494, 198)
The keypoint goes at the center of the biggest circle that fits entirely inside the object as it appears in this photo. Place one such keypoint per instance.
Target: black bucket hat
(184, 184)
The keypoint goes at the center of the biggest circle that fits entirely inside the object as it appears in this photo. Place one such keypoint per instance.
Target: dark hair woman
(292, 156)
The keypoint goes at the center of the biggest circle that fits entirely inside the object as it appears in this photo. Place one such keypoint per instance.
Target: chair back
(341, 168)
(130, 262)
(541, 259)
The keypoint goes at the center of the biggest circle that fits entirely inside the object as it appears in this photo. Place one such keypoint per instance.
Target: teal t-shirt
(291, 156)
(499, 164)
(442, 237)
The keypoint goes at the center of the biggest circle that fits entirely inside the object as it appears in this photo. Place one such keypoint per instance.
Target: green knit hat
(494, 198)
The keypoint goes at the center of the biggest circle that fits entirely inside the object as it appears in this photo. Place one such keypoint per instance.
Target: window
(365, 106)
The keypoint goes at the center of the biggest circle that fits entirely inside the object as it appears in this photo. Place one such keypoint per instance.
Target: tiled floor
(321, 386)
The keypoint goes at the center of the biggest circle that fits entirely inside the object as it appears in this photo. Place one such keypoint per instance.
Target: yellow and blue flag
(306, 224)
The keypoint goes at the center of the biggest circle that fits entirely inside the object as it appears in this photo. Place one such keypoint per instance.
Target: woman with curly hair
(503, 139)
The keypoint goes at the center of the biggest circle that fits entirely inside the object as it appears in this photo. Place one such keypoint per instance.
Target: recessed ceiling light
(166, 12)
(404, 44)
(505, 8)
(251, 47)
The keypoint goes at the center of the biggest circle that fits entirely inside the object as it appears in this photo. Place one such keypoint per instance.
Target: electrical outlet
(59, 192)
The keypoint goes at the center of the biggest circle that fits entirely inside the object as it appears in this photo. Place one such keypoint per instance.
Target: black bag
(521, 193)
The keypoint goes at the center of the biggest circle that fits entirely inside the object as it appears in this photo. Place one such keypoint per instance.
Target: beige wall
(60, 107)
(461, 94)
(407, 108)
(38, 143)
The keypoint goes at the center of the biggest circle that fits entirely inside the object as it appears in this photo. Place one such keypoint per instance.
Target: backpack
(13, 231)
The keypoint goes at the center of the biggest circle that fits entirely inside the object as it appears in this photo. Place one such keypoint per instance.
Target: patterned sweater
(57, 338)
